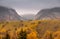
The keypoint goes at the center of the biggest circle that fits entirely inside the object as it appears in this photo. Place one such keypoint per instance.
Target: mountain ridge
(8, 14)
(52, 13)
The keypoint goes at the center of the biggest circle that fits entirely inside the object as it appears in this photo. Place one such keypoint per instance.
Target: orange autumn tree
(48, 35)
(56, 35)
(32, 35)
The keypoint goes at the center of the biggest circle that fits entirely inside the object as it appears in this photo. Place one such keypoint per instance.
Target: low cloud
(30, 4)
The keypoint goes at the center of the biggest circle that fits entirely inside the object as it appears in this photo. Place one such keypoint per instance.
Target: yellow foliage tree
(56, 35)
(48, 35)
(32, 35)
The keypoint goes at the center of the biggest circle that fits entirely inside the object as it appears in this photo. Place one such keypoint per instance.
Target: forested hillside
(37, 29)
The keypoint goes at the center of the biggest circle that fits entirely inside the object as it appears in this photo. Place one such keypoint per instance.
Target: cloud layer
(30, 4)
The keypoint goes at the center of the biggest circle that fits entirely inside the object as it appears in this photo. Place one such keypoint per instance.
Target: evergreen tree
(51, 37)
(22, 35)
(7, 36)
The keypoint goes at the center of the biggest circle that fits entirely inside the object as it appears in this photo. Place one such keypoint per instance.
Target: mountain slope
(53, 13)
(28, 16)
(8, 14)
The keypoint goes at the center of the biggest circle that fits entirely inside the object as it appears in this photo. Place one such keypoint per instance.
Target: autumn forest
(37, 29)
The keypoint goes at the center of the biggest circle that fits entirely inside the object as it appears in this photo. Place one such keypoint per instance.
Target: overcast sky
(30, 6)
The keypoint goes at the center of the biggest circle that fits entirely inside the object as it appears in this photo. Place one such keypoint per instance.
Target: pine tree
(51, 37)
(22, 35)
(7, 36)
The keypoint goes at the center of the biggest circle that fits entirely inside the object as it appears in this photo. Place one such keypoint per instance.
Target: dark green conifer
(22, 35)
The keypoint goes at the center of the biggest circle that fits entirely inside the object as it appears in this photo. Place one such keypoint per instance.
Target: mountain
(28, 16)
(8, 14)
(53, 13)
